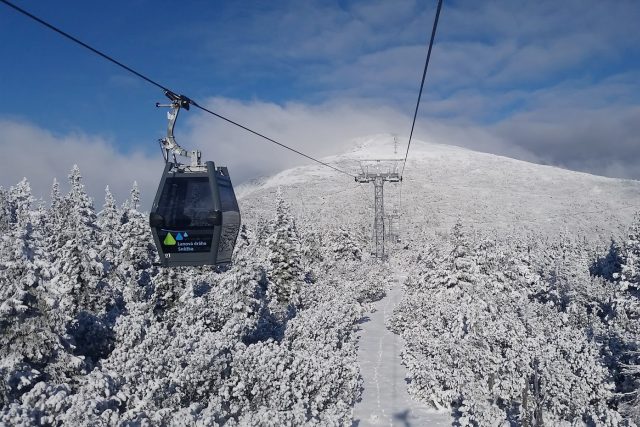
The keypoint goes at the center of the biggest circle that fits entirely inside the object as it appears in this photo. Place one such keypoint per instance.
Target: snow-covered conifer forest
(94, 334)
(506, 319)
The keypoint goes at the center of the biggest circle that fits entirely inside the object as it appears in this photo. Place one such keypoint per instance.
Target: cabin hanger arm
(168, 144)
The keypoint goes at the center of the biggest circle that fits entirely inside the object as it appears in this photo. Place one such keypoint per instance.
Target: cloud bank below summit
(542, 136)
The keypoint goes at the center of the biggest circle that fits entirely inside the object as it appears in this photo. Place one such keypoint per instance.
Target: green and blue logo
(169, 240)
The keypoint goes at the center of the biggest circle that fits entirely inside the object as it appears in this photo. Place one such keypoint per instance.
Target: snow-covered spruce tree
(246, 240)
(19, 275)
(137, 252)
(263, 230)
(608, 265)
(18, 272)
(435, 303)
(85, 298)
(74, 248)
(56, 221)
(312, 254)
(133, 274)
(404, 316)
(109, 224)
(248, 246)
(564, 267)
(629, 277)
(345, 247)
(27, 358)
(285, 268)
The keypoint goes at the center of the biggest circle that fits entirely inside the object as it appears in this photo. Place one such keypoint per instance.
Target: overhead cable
(424, 74)
(83, 44)
(164, 88)
(267, 138)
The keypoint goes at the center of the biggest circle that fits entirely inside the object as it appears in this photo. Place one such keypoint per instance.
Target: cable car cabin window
(186, 203)
(186, 206)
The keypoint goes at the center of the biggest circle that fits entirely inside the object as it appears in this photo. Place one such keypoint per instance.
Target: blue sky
(544, 81)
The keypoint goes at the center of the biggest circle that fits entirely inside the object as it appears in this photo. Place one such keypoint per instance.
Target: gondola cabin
(195, 217)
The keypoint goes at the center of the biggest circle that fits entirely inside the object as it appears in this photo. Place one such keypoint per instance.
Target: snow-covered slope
(443, 184)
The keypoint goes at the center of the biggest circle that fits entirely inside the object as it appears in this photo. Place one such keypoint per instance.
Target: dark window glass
(186, 202)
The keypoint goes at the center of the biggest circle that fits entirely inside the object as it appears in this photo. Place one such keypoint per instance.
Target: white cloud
(582, 130)
(478, 43)
(597, 137)
(40, 156)
(316, 130)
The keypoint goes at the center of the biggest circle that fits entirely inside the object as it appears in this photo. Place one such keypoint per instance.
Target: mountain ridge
(444, 184)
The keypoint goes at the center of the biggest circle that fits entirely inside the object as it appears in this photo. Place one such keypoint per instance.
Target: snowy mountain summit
(443, 184)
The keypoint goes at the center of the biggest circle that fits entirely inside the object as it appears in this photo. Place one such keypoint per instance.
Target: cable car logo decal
(169, 240)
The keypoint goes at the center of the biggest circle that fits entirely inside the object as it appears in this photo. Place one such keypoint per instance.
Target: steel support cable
(164, 88)
(424, 74)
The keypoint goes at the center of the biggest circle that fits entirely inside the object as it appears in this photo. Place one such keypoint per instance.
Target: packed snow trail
(385, 400)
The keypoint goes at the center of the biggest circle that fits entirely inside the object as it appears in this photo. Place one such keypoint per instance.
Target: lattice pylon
(378, 178)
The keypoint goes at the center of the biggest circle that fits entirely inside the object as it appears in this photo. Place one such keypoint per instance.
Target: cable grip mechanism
(168, 145)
